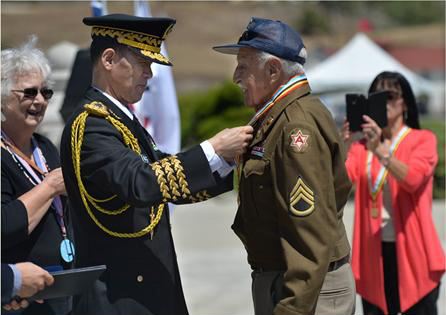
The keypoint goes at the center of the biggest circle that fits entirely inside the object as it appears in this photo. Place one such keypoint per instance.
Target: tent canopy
(354, 67)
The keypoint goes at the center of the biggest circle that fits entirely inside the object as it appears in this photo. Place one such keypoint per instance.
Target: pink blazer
(421, 260)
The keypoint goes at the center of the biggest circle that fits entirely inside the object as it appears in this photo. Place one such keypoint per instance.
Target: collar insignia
(144, 158)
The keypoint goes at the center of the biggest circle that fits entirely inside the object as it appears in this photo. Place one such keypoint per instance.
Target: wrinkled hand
(54, 180)
(231, 142)
(34, 279)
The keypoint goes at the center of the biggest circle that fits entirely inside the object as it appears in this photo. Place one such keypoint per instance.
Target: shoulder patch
(299, 140)
(97, 109)
(301, 199)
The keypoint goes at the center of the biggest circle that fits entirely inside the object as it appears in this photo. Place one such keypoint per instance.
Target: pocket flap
(256, 167)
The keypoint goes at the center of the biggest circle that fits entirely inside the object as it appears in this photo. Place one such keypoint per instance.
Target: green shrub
(203, 114)
(412, 12)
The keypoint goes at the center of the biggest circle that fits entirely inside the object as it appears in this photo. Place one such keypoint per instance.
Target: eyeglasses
(32, 92)
(393, 95)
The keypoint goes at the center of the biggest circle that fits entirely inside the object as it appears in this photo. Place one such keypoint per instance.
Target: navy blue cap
(274, 37)
(142, 34)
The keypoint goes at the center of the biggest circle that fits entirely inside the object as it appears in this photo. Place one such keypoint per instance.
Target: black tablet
(377, 108)
(356, 107)
(70, 282)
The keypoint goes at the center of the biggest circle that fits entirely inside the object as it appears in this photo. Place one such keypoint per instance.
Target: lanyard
(32, 170)
(375, 188)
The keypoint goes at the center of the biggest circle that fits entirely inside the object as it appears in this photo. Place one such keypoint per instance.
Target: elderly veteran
(293, 181)
(35, 226)
(119, 183)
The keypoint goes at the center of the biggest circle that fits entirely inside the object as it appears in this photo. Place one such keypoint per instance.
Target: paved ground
(216, 276)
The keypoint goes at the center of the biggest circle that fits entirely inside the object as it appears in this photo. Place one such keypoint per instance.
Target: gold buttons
(140, 278)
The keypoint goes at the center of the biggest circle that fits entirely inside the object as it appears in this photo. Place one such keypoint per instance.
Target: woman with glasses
(397, 259)
(35, 226)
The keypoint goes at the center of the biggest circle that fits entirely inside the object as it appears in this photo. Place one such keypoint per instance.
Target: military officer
(119, 183)
(293, 184)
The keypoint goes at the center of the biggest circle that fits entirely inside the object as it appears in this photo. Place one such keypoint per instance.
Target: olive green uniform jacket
(293, 188)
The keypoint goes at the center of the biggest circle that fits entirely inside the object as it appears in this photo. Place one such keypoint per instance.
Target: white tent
(353, 68)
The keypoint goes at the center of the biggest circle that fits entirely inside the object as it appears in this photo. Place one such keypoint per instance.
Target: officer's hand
(231, 142)
(34, 279)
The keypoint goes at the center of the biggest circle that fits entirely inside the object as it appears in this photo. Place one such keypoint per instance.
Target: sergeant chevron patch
(301, 199)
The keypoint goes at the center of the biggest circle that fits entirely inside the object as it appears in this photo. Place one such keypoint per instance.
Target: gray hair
(21, 61)
(290, 68)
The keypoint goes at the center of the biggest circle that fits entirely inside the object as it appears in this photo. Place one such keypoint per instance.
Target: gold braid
(77, 136)
(179, 172)
(171, 178)
(159, 172)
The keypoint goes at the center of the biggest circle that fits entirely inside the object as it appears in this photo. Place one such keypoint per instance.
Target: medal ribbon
(293, 84)
(375, 188)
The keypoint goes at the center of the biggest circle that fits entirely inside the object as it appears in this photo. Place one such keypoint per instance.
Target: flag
(99, 7)
(158, 108)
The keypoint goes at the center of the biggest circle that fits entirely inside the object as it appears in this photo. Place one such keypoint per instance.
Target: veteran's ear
(275, 70)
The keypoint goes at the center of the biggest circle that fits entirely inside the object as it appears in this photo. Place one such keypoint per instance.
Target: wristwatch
(385, 160)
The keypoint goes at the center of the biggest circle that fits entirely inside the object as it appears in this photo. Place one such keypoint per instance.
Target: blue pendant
(67, 250)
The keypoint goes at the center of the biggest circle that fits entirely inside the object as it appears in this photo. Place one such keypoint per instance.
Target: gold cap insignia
(144, 35)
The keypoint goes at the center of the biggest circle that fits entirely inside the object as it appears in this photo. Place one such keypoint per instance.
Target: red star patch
(299, 140)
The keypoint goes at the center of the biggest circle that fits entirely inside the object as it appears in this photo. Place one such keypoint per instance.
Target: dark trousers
(426, 306)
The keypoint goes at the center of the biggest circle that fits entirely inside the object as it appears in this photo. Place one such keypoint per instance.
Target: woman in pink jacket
(397, 258)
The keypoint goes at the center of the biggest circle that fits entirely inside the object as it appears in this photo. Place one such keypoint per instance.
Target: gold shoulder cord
(77, 135)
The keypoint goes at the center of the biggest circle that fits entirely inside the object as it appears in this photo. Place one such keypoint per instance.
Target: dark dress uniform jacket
(293, 188)
(142, 274)
(7, 283)
(42, 245)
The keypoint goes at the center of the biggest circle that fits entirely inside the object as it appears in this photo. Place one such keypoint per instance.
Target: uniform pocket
(258, 184)
(255, 167)
(338, 293)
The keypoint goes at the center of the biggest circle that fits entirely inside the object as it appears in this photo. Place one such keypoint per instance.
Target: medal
(374, 212)
(67, 250)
